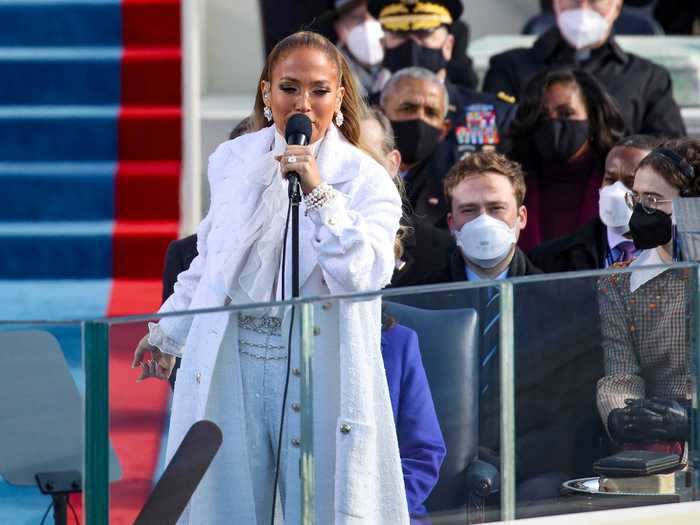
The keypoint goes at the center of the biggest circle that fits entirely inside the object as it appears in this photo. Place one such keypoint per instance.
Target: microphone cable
(289, 362)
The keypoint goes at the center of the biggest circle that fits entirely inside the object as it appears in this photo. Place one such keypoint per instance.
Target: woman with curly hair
(564, 128)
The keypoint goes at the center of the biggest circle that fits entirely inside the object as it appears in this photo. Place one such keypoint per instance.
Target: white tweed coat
(346, 246)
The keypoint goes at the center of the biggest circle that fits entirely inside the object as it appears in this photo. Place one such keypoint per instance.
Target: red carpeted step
(150, 133)
(134, 297)
(137, 410)
(139, 248)
(151, 76)
(148, 191)
(151, 23)
(147, 211)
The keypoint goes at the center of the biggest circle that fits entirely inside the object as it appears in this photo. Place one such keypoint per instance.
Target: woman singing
(234, 365)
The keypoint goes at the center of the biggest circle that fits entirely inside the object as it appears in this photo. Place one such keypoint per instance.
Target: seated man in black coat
(557, 343)
(605, 240)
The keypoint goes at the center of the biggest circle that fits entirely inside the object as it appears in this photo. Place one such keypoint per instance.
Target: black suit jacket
(558, 363)
(520, 266)
(178, 258)
(424, 189)
(585, 249)
(642, 89)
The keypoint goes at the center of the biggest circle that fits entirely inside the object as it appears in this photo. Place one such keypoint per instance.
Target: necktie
(489, 371)
(625, 251)
(490, 314)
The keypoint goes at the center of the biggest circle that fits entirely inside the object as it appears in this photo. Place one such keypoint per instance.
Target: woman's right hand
(159, 366)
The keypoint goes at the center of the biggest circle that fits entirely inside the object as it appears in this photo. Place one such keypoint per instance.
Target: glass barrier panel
(458, 403)
(236, 372)
(396, 396)
(494, 390)
(604, 386)
(42, 388)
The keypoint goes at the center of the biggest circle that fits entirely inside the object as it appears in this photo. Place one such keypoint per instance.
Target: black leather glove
(649, 420)
(619, 428)
(658, 419)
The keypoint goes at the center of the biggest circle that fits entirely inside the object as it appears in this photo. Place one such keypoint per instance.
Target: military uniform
(478, 120)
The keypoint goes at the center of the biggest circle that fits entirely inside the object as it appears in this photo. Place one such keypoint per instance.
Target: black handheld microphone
(297, 133)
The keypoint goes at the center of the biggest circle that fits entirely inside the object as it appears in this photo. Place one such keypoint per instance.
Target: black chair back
(449, 349)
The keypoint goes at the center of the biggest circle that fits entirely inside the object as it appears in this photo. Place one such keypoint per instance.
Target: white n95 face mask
(582, 28)
(364, 42)
(485, 241)
(613, 209)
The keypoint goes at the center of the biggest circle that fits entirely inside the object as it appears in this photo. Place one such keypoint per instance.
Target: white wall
(498, 17)
(234, 49)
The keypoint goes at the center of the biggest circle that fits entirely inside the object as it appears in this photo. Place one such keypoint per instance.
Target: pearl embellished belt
(261, 337)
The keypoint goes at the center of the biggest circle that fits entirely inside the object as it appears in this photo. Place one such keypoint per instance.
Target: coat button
(198, 377)
(296, 442)
(327, 306)
(296, 372)
(296, 407)
(345, 428)
(331, 221)
(317, 330)
(227, 301)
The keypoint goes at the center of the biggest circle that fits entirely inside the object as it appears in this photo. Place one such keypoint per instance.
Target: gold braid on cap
(422, 16)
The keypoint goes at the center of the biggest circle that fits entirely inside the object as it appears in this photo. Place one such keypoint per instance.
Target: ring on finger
(291, 159)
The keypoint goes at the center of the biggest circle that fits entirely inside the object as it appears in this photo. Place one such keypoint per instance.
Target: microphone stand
(295, 198)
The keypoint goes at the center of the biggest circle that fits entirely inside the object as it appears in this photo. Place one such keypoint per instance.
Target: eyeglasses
(649, 203)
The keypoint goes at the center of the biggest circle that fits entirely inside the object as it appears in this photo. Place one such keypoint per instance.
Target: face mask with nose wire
(613, 209)
(582, 28)
(364, 41)
(485, 241)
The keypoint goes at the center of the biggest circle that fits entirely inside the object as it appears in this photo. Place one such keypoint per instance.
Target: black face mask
(557, 140)
(415, 139)
(649, 230)
(411, 54)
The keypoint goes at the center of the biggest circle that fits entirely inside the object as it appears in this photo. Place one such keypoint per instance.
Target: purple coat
(421, 445)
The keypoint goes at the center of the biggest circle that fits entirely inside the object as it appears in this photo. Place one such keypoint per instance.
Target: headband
(681, 165)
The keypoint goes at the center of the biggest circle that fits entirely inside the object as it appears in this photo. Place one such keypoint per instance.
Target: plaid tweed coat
(646, 339)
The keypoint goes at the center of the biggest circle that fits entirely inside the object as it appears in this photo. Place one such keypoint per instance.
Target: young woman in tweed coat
(649, 382)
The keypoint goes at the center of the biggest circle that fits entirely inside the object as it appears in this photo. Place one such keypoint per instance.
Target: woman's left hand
(303, 163)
